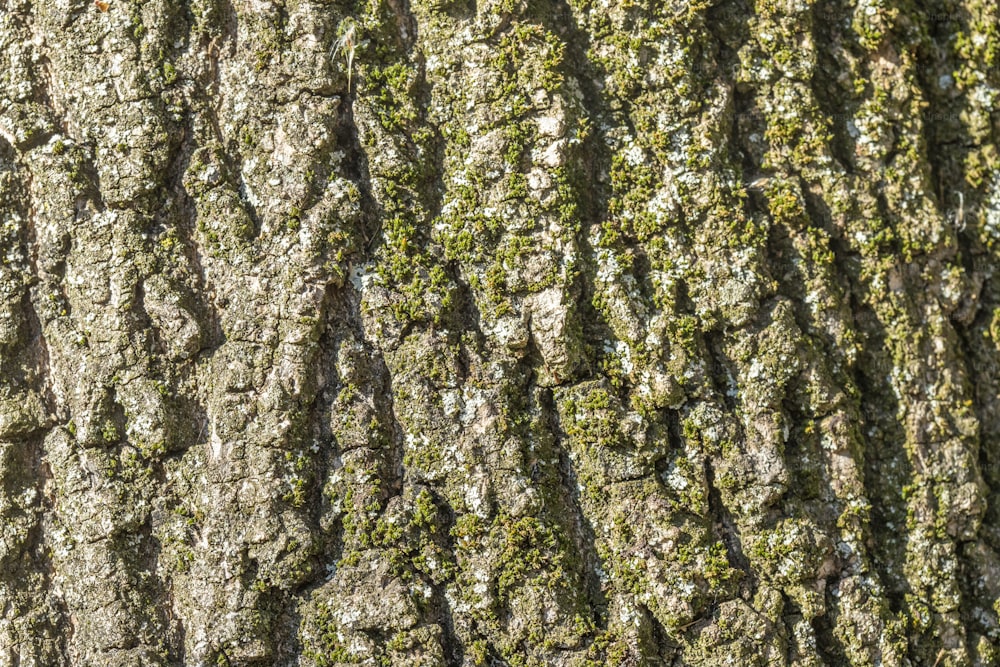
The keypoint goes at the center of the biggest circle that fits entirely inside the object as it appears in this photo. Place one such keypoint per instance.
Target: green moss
(388, 91)
(609, 648)
(425, 513)
(298, 478)
(529, 548)
(519, 138)
(183, 558)
(109, 432)
(294, 221)
(169, 73)
(328, 649)
(152, 450)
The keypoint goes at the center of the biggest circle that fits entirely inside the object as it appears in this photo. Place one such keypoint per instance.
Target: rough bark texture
(499, 332)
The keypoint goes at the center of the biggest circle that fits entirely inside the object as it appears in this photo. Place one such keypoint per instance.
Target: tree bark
(499, 332)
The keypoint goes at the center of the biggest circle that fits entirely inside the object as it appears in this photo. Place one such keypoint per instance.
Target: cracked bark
(566, 333)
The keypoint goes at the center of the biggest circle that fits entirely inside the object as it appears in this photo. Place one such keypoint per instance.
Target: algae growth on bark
(499, 332)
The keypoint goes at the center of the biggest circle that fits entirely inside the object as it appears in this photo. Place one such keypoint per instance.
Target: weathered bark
(499, 332)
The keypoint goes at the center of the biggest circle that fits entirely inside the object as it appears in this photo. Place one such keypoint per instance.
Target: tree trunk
(499, 332)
